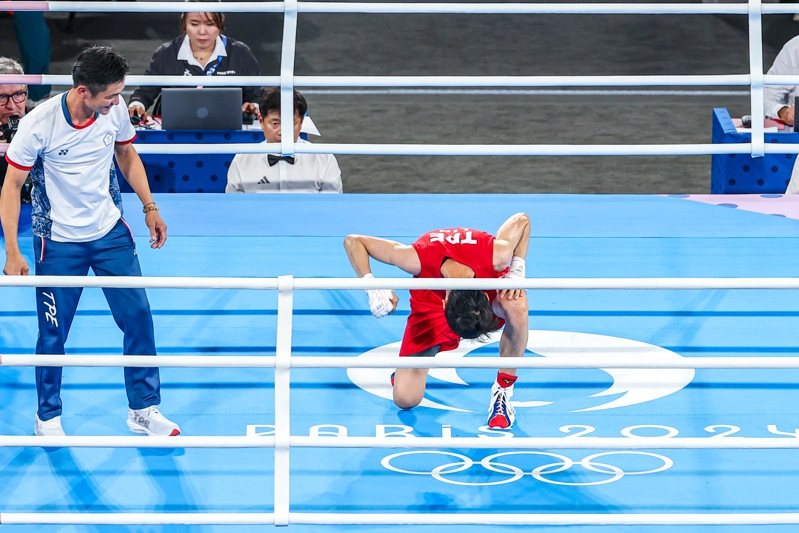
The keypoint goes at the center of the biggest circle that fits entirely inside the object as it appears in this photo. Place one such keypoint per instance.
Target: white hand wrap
(379, 300)
(517, 268)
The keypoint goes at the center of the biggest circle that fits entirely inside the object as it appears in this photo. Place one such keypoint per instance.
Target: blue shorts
(111, 255)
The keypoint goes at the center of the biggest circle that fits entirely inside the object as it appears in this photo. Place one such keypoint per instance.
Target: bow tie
(273, 159)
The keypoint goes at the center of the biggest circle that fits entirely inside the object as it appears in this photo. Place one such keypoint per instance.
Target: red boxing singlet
(427, 326)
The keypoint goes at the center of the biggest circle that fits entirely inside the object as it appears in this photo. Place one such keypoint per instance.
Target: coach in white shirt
(269, 173)
(67, 145)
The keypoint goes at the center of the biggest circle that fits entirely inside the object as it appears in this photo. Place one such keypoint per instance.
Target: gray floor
(355, 44)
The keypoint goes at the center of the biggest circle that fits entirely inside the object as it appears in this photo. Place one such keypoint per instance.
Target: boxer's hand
(381, 301)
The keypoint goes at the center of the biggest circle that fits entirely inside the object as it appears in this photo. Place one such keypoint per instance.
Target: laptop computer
(210, 108)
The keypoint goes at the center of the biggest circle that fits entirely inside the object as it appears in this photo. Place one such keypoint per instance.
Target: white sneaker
(48, 428)
(501, 413)
(152, 422)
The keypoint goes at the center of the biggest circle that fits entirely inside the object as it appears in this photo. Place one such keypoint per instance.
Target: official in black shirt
(202, 50)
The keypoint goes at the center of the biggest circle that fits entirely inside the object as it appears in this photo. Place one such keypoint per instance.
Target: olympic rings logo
(511, 473)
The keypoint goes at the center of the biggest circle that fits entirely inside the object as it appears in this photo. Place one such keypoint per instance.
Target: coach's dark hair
(97, 67)
(270, 101)
(469, 314)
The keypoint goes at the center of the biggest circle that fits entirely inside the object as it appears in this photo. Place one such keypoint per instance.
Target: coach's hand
(157, 229)
(16, 266)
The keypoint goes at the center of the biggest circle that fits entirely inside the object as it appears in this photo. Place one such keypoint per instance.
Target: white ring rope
(472, 443)
(177, 282)
(405, 519)
(421, 81)
(405, 8)
(470, 149)
(309, 361)
(466, 149)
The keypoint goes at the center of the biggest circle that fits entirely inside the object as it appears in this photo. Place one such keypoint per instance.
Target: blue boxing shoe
(501, 413)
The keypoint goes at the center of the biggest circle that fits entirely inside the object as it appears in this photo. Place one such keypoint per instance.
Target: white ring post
(756, 71)
(287, 78)
(285, 312)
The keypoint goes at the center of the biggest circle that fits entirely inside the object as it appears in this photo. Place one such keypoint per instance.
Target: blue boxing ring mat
(591, 236)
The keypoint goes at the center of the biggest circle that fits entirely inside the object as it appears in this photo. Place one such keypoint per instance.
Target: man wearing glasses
(12, 108)
(12, 98)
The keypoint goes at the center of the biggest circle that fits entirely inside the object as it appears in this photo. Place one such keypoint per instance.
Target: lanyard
(212, 69)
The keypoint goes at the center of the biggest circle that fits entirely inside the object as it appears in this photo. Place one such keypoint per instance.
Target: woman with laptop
(202, 50)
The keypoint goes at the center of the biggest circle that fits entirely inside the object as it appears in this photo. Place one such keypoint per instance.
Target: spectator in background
(33, 39)
(12, 108)
(265, 173)
(12, 98)
(779, 100)
(202, 50)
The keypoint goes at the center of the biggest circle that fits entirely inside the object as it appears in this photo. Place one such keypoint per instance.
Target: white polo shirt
(251, 173)
(75, 189)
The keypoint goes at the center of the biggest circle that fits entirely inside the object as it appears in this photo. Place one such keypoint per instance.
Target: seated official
(779, 100)
(202, 50)
(12, 108)
(269, 173)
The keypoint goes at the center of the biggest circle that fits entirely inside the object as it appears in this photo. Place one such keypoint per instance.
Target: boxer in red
(439, 319)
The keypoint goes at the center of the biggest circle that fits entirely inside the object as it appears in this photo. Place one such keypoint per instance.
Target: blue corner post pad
(742, 173)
